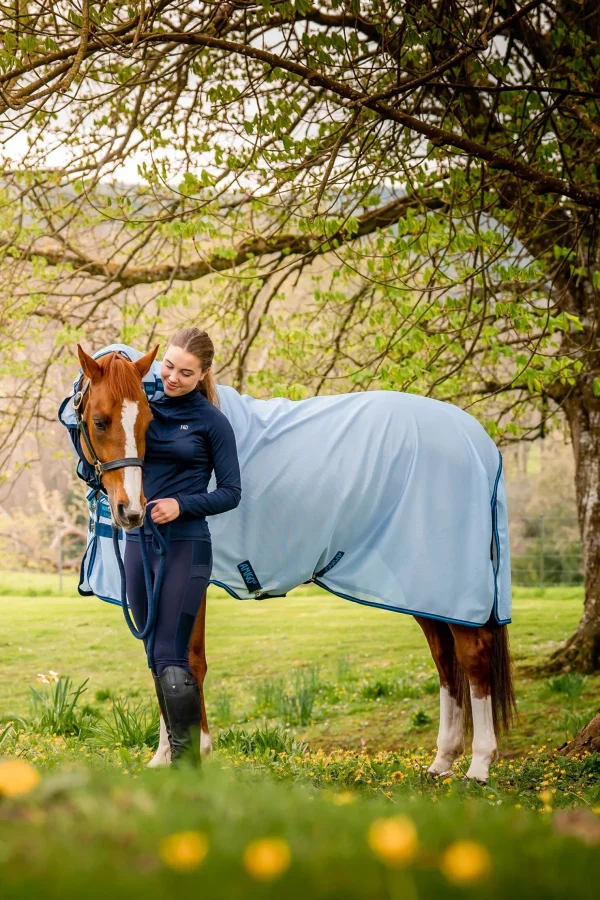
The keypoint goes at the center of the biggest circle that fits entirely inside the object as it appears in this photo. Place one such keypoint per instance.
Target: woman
(188, 437)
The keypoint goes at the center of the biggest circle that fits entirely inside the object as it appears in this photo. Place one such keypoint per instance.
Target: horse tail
(504, 704)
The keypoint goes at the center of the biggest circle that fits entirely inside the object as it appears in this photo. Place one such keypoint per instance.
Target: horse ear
(89, 365)
(144, 362)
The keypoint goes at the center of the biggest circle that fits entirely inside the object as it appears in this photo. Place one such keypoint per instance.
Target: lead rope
(160, 545)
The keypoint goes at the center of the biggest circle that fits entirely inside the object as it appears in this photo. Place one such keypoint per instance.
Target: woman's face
(180, 372)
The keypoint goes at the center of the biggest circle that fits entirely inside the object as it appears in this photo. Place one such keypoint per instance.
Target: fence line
(545, 550)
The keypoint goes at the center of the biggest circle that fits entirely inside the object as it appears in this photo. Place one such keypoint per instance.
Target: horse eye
(100, 424)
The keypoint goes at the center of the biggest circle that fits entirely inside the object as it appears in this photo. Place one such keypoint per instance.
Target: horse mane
(120, 377)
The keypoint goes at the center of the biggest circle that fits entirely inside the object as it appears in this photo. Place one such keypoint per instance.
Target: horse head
(114, 409)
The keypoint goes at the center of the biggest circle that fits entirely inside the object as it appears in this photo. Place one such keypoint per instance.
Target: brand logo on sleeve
(185, 427)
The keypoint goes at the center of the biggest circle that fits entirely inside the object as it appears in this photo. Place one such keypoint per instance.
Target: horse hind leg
(450, 741)
(484, 656)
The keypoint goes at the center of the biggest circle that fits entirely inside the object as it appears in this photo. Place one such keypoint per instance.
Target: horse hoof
(472, 779)
(433, 774)
(158, 761)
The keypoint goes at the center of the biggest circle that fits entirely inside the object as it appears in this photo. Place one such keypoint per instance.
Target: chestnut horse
(473, 663)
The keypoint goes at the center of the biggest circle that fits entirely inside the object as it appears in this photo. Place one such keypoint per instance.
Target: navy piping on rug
(496, 537)
(406, 612)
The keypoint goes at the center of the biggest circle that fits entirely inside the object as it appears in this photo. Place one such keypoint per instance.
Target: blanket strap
(160, 545)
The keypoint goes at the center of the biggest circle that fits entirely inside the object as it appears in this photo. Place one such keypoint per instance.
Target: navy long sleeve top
(187, 439)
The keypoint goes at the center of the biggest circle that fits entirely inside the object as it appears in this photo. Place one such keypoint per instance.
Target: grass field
(334, 708)
(366, 659)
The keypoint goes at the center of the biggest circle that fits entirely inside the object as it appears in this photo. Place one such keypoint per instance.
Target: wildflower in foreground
(394, 840)
(184, 850)
(342, 798)
(17, 777)
(267, 859)
(465, 862)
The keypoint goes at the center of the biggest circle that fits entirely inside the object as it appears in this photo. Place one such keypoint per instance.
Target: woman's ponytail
(208, 387)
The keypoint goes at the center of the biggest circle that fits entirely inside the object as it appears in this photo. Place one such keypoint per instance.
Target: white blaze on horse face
(132, 475)
(450, 736)
(484, 738)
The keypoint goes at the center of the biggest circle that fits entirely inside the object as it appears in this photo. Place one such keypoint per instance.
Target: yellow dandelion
(546, 796)
(267, 859)
(343, 798)
(17, 777)
(465, 862)
(184, 850)
(394, 841)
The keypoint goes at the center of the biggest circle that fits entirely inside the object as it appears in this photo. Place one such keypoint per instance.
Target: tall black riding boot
(161, 702)
(181, 697)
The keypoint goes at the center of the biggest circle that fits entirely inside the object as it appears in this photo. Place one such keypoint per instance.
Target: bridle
(99, 467)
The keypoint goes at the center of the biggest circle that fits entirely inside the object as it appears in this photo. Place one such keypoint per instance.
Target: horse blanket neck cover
(388, 499)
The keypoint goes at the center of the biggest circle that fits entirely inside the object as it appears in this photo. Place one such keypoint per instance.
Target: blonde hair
(197, 342)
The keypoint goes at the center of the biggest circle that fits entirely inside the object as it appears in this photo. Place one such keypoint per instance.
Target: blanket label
(329, 565)
(250, 580)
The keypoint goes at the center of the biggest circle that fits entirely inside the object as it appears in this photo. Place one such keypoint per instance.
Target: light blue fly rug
(384, 498)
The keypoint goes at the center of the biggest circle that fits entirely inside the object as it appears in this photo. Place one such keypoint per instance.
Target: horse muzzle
(127, 519)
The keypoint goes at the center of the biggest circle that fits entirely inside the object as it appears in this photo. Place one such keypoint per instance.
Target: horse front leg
(450, 741)
(162, 757)
(474, 654)
(199, 667)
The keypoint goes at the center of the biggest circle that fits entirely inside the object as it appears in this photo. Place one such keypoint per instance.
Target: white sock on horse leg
(205, 743)
(450, 735)
(484, 738)
(162, 757)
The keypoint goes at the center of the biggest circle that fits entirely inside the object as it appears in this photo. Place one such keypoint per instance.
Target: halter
(99, 467)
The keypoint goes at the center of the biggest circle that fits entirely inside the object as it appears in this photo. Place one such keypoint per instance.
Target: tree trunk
(587, 741)
(582, 407)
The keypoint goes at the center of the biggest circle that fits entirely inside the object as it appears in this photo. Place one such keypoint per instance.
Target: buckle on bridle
(77, 400)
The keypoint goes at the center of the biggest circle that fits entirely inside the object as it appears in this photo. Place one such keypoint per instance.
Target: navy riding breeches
(187, 572)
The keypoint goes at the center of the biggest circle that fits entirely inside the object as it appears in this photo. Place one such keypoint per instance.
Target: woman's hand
(164, 511)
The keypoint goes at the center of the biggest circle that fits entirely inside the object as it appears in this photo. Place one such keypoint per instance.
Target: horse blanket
(384, 498)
